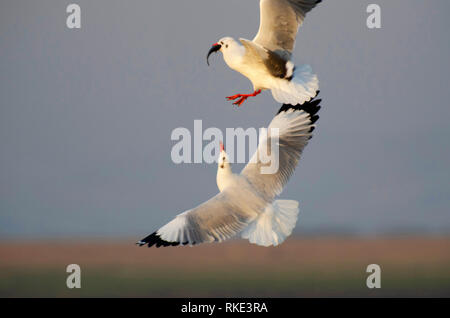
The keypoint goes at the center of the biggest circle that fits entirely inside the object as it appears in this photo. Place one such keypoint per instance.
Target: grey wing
(255, 53)
(215, 220)
(279, 23)
(295, 125)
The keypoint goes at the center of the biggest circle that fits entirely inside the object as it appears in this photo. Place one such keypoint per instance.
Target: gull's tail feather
(274, 225)
(298, 88)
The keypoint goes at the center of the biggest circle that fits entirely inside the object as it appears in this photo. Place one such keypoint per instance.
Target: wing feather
(255, 53)
(279, 23)
(216, 220)
(295, 125)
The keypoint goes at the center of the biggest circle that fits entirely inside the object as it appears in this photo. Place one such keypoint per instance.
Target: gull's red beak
(222, 148)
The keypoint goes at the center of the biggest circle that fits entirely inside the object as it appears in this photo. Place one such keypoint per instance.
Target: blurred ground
(301, 267)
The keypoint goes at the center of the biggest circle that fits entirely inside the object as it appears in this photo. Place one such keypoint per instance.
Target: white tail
(301, 88)
(274, 225)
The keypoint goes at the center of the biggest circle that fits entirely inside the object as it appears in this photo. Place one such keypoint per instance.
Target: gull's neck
(224, 176)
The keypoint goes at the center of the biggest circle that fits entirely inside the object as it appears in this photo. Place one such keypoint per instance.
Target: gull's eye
(221, 42)
(221, 166)
(226, 46)
(223, 158)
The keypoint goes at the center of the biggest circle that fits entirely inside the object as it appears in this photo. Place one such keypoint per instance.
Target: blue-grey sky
(86, 115)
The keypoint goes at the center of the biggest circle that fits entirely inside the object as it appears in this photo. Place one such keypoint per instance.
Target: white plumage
(245, 204)
(274, 224)
(266, 60)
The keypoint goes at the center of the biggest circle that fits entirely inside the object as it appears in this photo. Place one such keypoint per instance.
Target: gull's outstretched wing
(295, 125)
(279, 23)
(216, 220)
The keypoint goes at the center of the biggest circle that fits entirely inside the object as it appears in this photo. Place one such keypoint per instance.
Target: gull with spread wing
(245, 205)
(266, 60)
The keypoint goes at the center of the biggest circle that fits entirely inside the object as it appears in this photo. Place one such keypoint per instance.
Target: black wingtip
(155, 239)
(311, 107)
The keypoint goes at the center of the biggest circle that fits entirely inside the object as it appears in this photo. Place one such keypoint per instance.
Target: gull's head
(224, 45)
(223, 157)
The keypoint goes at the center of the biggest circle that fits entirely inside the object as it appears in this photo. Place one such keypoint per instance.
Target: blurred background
(86, 117)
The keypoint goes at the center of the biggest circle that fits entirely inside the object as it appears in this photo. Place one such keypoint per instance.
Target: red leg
(233, 97)
(243, 97)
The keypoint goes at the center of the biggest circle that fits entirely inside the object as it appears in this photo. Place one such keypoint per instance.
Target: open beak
(216, 47)
(222, 148)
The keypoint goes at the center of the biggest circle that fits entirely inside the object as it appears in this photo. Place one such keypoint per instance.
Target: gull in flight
(245, 205)
(266, 60)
